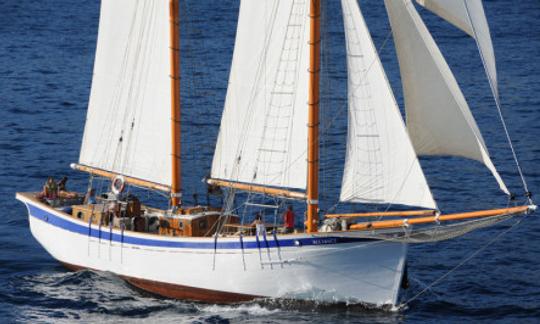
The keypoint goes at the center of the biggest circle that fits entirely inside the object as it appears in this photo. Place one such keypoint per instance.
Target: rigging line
(288, 64)
(136, 93)
(121, 150)
(335, 116)
(362, 118)
(324, 53)
(495, 93)
(401, 188)
(192, 82)
(462, 262)
(328, 125)
(198, 85)
(261, 68)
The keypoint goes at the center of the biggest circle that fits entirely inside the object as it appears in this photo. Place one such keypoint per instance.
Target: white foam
(250, 309)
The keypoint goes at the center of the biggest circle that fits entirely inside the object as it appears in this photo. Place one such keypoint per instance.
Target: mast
(313, 117)
(176, 178)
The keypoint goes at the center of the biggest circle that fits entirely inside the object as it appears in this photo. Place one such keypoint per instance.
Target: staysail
(438, 117)
(263, 134)
(128, 129)
(469, 16)
(381, 165)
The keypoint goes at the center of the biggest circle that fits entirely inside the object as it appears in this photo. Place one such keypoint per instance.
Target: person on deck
(90, 197)
(50, 190)
(62, 191)
(62, 184)
(288, 220)
(259, 224)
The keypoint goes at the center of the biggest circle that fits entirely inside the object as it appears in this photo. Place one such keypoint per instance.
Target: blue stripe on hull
(64, 224)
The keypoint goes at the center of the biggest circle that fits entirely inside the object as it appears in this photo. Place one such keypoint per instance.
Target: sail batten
(263, 134)
(128, 128)
(381, 166)
(439, 120)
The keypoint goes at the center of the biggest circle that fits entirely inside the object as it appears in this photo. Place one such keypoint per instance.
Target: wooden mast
(313, 117)
(176, 178)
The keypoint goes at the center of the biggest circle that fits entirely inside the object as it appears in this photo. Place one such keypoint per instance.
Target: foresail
(469, 16)
(381, 165)
(263, 134)
(128, 121)
(438, 117)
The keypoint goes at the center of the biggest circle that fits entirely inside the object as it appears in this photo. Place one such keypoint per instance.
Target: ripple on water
(44, 88)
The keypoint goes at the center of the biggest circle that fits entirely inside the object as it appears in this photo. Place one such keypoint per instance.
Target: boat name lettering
(325, 241)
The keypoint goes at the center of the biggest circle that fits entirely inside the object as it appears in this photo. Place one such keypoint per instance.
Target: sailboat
(267, 151)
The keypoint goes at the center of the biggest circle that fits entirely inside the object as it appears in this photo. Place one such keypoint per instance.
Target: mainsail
(438, 117)
(381, 165)
(263, 134)
(128, 122)
(469, 16)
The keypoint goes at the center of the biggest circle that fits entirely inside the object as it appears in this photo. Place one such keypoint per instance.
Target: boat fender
(118, 184)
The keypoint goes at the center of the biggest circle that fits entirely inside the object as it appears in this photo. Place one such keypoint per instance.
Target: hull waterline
(323, 267)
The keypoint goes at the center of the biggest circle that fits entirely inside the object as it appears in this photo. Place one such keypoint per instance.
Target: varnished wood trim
(257, 188)
(176, 151)
(312, 190)
(384, 214)
(128, 179)
(441, 218)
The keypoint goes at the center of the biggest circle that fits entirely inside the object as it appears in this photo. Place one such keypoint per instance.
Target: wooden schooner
(268, 146)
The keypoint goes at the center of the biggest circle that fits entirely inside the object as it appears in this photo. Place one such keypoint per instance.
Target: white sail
(438, 117)
(263, 134)
(381, 165)
(128, 121)
(469, 16)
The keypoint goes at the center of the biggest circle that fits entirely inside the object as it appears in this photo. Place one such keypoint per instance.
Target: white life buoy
(118, 184)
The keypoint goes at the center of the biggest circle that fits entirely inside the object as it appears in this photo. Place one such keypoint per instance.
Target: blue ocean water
(46, 58)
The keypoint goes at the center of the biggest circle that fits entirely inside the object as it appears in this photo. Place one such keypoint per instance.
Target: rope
(441, 278)
(518, 166)
(329, 124)
(495, 93)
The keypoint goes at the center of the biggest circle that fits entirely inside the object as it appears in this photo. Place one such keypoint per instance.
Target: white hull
(326, 267)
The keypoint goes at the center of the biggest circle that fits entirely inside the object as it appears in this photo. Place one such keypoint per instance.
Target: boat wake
(100, 296)
(252, 309)
(84, 295)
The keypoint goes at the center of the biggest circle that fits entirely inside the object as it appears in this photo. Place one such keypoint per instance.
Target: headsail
(438, 117)
(128, 121)
(381, 165)
(263, 134)
(469, 16)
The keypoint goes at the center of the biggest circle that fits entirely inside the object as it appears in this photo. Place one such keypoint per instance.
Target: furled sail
(263, 134)
(381, 165)
(438, 117)
(469, 16)
(128, 121)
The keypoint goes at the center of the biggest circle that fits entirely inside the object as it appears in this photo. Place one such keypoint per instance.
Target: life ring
(118, 184)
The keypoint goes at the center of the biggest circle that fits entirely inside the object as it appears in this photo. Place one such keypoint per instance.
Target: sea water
(46, 60)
